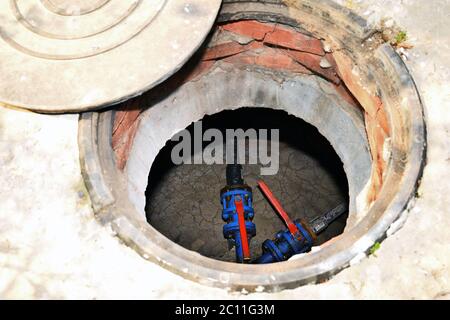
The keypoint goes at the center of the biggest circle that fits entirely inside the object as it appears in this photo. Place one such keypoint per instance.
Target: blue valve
(237, 212)
(285, 245)
(230, 214)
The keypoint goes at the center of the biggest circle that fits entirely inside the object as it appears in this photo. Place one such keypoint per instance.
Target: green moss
(374, 249)
(401, 37)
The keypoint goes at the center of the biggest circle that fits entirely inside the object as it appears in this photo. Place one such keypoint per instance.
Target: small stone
(387, 35)
(325, 64)
(327, 48)
(243, 39)
(389, 23)
(187, 8)
(403, 53)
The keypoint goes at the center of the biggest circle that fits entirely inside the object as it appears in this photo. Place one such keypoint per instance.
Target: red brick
(382, 119)
(123, 148)
(229, 49)
(332, 61)
(124, 128)
(223, 50)
(312, 62)
(275, 59)
(377, 138)
(269, 58)
(249, 28)
(124, 118)
(347, 95)
(370, 102)
(276, 36)
(294, 40)
(241, 59)
(375, 186)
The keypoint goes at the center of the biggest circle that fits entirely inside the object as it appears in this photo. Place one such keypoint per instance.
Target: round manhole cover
(77, 55)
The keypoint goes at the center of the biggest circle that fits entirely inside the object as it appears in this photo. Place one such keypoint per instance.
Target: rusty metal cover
(76, 55)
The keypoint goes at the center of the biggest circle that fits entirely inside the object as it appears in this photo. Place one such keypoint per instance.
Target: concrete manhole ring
(380, 81)
(73, 45)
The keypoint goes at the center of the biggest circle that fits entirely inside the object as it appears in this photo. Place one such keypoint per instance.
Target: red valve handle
(277, 205)
(242, 229)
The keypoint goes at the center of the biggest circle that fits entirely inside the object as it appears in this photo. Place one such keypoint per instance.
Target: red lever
(242, 229)
(277, 205)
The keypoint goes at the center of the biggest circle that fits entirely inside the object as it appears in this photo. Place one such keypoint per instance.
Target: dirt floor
(52, 247)
(183, 201)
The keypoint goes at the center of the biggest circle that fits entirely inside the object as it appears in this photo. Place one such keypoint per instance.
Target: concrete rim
(336, 120)
(403, 106)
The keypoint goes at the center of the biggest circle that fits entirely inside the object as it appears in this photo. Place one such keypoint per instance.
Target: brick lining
(280, 48)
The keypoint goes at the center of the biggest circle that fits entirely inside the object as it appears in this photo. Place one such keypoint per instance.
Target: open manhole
(309, 179)
(351, 131)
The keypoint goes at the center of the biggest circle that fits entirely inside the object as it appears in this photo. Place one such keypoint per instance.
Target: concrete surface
(52, 247)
